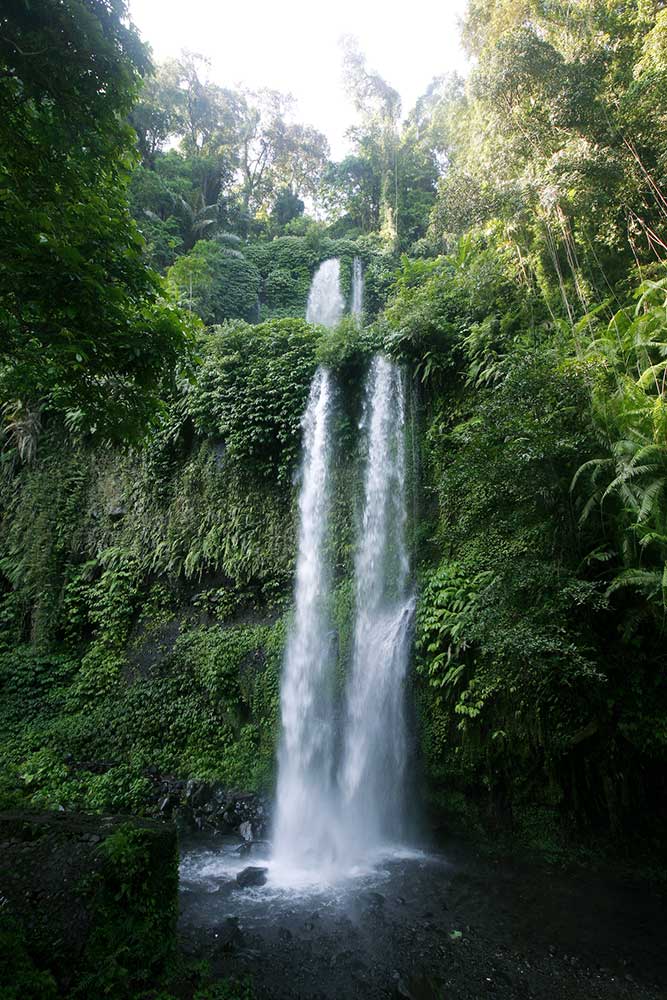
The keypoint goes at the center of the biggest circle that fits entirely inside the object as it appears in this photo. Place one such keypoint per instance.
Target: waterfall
(357, 303)
(375, 750)
(341, 794)
(305, 800)
(306, 813)
(325, 299)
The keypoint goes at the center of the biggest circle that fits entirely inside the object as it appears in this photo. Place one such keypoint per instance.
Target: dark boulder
(211, 808)
(251, 876)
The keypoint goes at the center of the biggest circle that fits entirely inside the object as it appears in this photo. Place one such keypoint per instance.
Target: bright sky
(293, 46)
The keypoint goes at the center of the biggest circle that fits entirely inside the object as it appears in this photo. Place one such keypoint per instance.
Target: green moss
(205, 706)
(107, 890)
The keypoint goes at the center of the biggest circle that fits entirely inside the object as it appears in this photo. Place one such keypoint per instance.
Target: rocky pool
(423, 924)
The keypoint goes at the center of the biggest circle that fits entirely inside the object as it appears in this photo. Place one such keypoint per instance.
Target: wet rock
(402, 992)
(284, 934)
(209, 807)
(312, 921)
(251, 876)
(229, 936)
(167, 805)
(418, 988)
(374, 908)
(200, 796)
(345, 927)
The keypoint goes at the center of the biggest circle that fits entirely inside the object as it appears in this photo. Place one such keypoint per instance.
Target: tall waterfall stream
(340, 795)
(305, 793)
(375, 745)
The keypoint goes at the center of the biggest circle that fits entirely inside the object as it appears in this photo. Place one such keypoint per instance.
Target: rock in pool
(251, 876)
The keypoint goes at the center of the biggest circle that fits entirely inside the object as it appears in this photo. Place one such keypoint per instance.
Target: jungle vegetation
(158, 234)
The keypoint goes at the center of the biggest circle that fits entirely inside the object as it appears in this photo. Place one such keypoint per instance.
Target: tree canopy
(85, 327)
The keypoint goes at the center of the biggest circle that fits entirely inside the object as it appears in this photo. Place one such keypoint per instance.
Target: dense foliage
(85, 330)
(509, 230)
(536, 326)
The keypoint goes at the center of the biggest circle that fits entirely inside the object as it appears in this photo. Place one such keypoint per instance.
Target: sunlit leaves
(627, 487)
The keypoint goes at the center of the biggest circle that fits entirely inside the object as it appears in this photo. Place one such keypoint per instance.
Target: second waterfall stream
(372, 780)
(341, 767)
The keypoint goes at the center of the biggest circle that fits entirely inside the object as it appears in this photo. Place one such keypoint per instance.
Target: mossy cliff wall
(145, 595)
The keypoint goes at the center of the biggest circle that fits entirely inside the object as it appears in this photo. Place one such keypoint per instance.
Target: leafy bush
(626, 486)
(444, 623)
(215, 282)
(252, 390)
(19, 976)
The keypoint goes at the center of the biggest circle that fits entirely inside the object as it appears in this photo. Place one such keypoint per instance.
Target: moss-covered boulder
(88, 904)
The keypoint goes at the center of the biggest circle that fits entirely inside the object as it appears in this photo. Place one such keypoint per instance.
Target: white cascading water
(372, 778)
(357, 301)
(306, 815)
(325, 299)
(305, 811)
(325, 820)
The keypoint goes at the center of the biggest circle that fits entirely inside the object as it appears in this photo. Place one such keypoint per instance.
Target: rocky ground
(86, 903)
(450, 925)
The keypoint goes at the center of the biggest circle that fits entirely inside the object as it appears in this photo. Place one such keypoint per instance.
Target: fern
(632, 425)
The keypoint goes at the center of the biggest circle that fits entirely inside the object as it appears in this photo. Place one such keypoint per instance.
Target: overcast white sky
(293, 46)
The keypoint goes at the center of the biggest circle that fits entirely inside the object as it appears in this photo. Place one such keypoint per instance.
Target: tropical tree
(85, 329)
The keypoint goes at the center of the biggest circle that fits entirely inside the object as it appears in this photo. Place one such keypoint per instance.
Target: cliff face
(145, 595)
